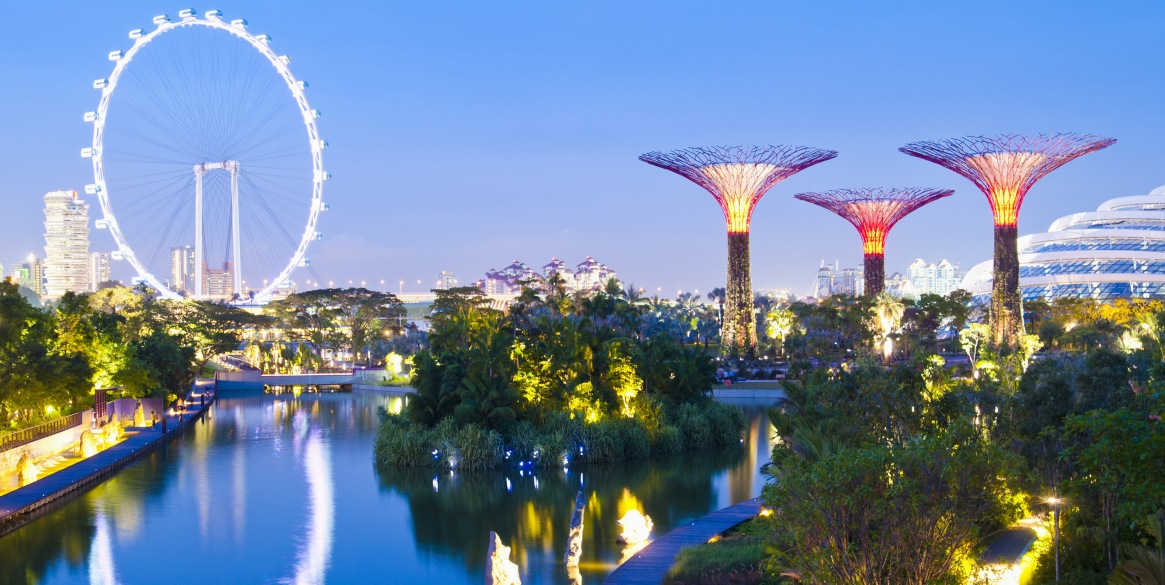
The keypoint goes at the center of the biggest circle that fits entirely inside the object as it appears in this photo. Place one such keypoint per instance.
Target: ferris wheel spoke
(258, 196)
(179, 207)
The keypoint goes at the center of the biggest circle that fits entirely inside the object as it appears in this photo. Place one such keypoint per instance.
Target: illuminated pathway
(21, 505)
(652, 563)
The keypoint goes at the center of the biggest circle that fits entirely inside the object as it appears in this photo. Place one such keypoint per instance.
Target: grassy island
(553, 379)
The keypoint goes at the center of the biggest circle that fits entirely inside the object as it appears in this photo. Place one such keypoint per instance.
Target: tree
(888, 313)
(905, 515)
(780, 323)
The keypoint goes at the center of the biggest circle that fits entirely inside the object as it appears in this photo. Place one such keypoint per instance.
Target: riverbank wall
(24, 504)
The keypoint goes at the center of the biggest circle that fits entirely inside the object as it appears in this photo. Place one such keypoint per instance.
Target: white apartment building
(98, 269)
(66, 244)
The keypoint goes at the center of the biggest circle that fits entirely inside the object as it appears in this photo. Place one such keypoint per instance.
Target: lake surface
(283, 489)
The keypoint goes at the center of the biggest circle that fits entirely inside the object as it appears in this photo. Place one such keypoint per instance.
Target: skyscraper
(66, 265)
(98, 269)
(182, 269)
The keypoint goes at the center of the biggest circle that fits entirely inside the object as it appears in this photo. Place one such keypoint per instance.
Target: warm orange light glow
(1008, 176)
(738, 189)
(874, 240)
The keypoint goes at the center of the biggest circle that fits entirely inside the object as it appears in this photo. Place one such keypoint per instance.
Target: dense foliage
(564, 375)
(895, 473)
(51, 359)
(364, 326)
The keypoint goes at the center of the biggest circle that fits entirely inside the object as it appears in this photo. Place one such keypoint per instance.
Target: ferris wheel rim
(260, 43)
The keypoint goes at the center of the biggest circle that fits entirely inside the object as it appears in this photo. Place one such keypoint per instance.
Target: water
(282, 489)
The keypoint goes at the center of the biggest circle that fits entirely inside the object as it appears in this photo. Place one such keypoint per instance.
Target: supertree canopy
(1005, 167)
(737, 177)
(873, 211)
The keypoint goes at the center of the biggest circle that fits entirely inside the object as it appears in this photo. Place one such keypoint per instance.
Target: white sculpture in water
(498, 568)
(574, 541)
(636, 527)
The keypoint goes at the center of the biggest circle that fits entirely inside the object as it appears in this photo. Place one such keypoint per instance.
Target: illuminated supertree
(738, 176)
(1005, 167)
(874, 211)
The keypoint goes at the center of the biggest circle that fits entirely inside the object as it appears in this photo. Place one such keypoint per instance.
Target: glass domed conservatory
(1117, 251)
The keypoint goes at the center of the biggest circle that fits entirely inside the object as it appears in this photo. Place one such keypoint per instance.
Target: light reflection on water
(284, 490)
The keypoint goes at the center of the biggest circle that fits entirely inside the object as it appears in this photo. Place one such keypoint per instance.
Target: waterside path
(650, 565)
(20, 506)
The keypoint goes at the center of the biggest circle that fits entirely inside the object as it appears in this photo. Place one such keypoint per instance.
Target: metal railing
(26, 436)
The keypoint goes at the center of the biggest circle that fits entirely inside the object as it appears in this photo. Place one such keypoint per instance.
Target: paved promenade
(652, 563)
(21, 505)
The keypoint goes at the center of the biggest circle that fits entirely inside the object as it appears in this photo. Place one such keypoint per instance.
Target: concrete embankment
(26, 503)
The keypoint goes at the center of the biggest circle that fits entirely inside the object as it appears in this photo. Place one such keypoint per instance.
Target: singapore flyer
(207, 161)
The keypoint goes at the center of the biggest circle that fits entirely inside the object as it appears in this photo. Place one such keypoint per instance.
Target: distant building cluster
(67, 266)
(835, 280)
(588, 275)
(921, 278)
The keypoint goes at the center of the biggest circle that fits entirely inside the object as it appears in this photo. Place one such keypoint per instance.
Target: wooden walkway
(652, 563)
(26, 503)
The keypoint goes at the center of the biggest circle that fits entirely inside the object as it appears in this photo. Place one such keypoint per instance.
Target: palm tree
(779, 323)
(718, 295)
(1142, 565)
(888, 312)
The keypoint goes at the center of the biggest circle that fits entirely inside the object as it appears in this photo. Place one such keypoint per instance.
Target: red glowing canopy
(738, 176)
(1006, 166)
(873, 211)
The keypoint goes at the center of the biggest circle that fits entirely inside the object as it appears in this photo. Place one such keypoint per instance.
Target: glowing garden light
(873, 212)
(1004, 168)
(737, 177)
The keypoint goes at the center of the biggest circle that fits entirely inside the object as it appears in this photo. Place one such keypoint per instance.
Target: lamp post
(1055, 503)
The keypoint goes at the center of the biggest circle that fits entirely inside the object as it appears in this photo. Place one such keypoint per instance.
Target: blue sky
(464, 135)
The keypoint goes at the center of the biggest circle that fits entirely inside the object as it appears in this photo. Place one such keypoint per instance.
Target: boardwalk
(21, 505)
(652, 563)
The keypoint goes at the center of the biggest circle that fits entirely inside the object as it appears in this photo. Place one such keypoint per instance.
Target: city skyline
(548, 109)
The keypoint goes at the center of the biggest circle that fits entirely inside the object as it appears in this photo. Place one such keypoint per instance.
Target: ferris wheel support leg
(198, 258)
(236, 236)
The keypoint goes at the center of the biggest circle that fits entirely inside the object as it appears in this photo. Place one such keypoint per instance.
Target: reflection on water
(314, 555)
(101, 568)
(284, 490)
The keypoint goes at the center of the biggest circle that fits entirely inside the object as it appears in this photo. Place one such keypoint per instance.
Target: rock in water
(498, 568)
(574, 542)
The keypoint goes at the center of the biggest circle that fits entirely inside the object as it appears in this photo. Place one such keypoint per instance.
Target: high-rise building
(30, 275)
(182, 269)
(835, 280)
(935, 279)
(446, 280)
(98, 270)
(219, 284)
(66, 265)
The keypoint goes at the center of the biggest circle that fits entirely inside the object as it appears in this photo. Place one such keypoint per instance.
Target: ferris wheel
(207, 161)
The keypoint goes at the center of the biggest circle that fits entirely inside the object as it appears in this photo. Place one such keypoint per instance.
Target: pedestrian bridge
(255, 380)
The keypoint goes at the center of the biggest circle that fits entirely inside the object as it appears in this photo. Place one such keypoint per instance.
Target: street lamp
(1055, 502)
(402, 287)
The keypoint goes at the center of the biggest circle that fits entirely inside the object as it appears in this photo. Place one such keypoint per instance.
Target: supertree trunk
(739, 333)
(875, 274)
(1006, 302)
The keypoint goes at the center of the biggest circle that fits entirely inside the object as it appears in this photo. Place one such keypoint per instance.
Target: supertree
(738, 176)
(874, 211)
(1005, 167)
